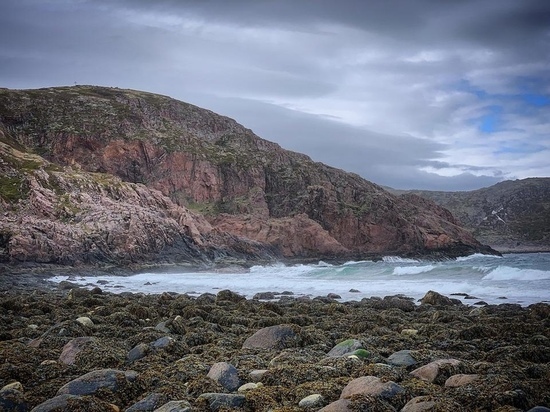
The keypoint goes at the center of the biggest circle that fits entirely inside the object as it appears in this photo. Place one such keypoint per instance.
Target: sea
(512, 278)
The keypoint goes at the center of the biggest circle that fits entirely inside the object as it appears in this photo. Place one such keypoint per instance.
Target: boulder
(12, 399)
(175, 406)
(311, 401)
(430, 371)
(437, 299)
(73, 348)
(273, 337)
(341, 405)
(91, 382)
(149, 403)
(458, 380)
(137, 352)
(226, 375)
(217, 401)
(345, 348)
(373, 386)
(419, 404)
(402, 358)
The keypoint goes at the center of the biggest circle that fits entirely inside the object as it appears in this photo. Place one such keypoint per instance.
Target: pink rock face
(183, 158)
(341, 405)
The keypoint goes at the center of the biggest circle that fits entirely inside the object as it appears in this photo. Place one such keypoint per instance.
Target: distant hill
(104, 175)
(509, 216)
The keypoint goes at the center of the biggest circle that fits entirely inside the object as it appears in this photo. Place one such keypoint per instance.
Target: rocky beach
(66, 348)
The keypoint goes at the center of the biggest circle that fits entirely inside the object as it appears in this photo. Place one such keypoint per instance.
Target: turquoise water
(513, 278)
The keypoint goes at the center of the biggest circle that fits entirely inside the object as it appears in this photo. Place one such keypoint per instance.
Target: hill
(94, 175)
(509, 216)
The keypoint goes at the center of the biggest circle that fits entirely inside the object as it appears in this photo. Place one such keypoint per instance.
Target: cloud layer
(424, 94)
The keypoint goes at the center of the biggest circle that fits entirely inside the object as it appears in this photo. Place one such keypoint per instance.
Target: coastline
(162, 347)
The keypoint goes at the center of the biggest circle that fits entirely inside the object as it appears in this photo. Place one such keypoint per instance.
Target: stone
(226, 375)
(257, 374)
(149, 403)
(163, 342)
(248, 386)
(430, 371)
(229, 296)
(402, 358)
(73, 348)
(137, 352)
(67, 402)
(13, 385)
(175, 406)
(341, 405)
(161, 327)
(264, 296)
(91, 382)
(436, 299)
(539, 409)
(311, 401)
(13, 399)
(371, 385)
(218, 401)
(334, 296)
(85, 321)
(345, 348)
(419, 404)
(273, 337)
(409, 332)
(458, 380)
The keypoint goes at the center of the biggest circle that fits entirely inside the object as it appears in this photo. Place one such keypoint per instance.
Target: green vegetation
(13, 188)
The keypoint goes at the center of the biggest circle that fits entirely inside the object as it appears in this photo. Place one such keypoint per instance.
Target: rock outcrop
(509, 216)
(104, 175)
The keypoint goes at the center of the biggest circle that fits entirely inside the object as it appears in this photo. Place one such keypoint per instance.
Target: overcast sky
(427, 94)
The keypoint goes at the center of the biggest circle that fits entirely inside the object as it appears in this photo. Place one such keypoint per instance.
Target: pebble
(248, 386)
(312, 401)
(85, 321)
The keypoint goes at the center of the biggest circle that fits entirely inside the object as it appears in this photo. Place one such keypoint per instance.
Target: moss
(13, 188)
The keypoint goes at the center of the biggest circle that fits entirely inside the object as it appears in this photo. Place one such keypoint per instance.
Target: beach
(72, 348)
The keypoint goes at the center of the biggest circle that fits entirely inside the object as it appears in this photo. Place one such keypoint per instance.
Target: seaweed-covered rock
(12, 400)
(345, 348)
(273, 337)
(73, 348)
(91, 382)
(437, 299)
(150, 402)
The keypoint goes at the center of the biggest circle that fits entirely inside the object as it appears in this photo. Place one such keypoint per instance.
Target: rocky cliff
(92, 174)
(509, 216)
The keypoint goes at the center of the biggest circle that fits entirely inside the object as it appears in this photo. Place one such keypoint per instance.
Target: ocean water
(513, 278)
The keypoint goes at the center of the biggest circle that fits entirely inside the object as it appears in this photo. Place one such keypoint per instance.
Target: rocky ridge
(510, 216)
(83, 167)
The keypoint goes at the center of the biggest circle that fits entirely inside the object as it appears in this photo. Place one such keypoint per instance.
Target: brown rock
(73, 348)
(436, 299)
(419, 404)
(430, 371)
(370, 385)
(341, 405)
(458, 380)
(273, 337)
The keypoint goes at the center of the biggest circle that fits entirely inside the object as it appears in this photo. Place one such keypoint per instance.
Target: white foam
(397, 259)
(477, 256)
(510, 273)
(412, 270)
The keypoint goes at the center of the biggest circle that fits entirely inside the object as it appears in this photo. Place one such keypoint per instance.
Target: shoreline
(163, 348)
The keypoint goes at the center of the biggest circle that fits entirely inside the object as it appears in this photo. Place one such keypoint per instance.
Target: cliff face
(206, 173)
(509, 216)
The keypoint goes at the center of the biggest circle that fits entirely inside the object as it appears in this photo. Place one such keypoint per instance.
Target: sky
(423, 94)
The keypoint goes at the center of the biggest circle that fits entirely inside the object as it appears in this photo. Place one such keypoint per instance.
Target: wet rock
(163, 342)
(345, 348)
(149, 403)
(436, 299)
(70, 403)
(311, 401)
(13, 399)
(91, 382)
(430, 371)
(73, 348)
(249, 386)
(264, 296)
(175, 406)
(341, 405)
(85, 321)
(402, 358)
(137, 352)
(273, 337)
(227, 295)
(373, 386)
(257, 374)
(226, 375)
(161, 327)
(458, 380)
(393, 302)
(334, 296)
(419, 404)
(217, 401)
